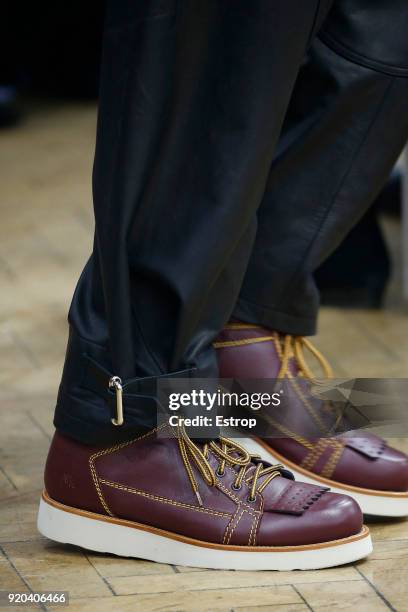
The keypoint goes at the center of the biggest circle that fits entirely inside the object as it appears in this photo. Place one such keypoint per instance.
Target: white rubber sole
(125, 538)
(373, 502)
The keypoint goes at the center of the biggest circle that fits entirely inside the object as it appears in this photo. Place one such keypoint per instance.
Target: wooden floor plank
(46, 566)
(387, 571)
(221, 600)
(323, 597)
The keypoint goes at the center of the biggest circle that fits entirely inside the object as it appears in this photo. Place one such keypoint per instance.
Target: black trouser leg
(193, 96)
(346, 125)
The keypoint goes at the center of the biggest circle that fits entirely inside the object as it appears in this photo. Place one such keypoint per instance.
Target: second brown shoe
(359, 464)
(166, 498)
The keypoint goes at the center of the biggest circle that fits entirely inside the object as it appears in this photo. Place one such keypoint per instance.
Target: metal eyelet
(236, 488)
(220, 474)
(250, 499)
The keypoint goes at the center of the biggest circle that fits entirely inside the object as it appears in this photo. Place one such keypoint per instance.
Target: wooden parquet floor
(45, 238)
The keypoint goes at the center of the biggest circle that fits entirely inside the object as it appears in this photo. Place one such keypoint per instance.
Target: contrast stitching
(323, 444)
(237, 523)
(107, 451)
(299, 392)
(229, 524)
(331, 464)
(288, 433)
(236, 326)
(230, 494)
(232, 525)
(252, 533)
(242, 342)
(98, 489)
(163, 500)
(311, 458)
(236, 499)
(255, 525)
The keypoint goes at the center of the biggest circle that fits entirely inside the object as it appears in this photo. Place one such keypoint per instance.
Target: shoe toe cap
(331, 517)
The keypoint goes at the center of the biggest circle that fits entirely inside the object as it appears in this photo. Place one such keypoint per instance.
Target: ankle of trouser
(87, 405)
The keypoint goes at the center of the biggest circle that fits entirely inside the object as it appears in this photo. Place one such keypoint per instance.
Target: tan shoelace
(228, 452)
(292, 346)
(288, 347)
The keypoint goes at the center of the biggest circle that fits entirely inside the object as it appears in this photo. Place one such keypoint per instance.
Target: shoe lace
(228, 452)
(287, 346)
(293, 347)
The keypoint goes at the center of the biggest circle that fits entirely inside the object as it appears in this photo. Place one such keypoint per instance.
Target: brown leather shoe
(365, 467)
(167, 499)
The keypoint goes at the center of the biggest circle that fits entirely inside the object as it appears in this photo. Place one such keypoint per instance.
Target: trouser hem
(87, 404)
(67, 420)
(272, 319)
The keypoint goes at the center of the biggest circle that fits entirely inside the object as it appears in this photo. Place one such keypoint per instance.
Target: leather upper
(145, 480)
(356, 458)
